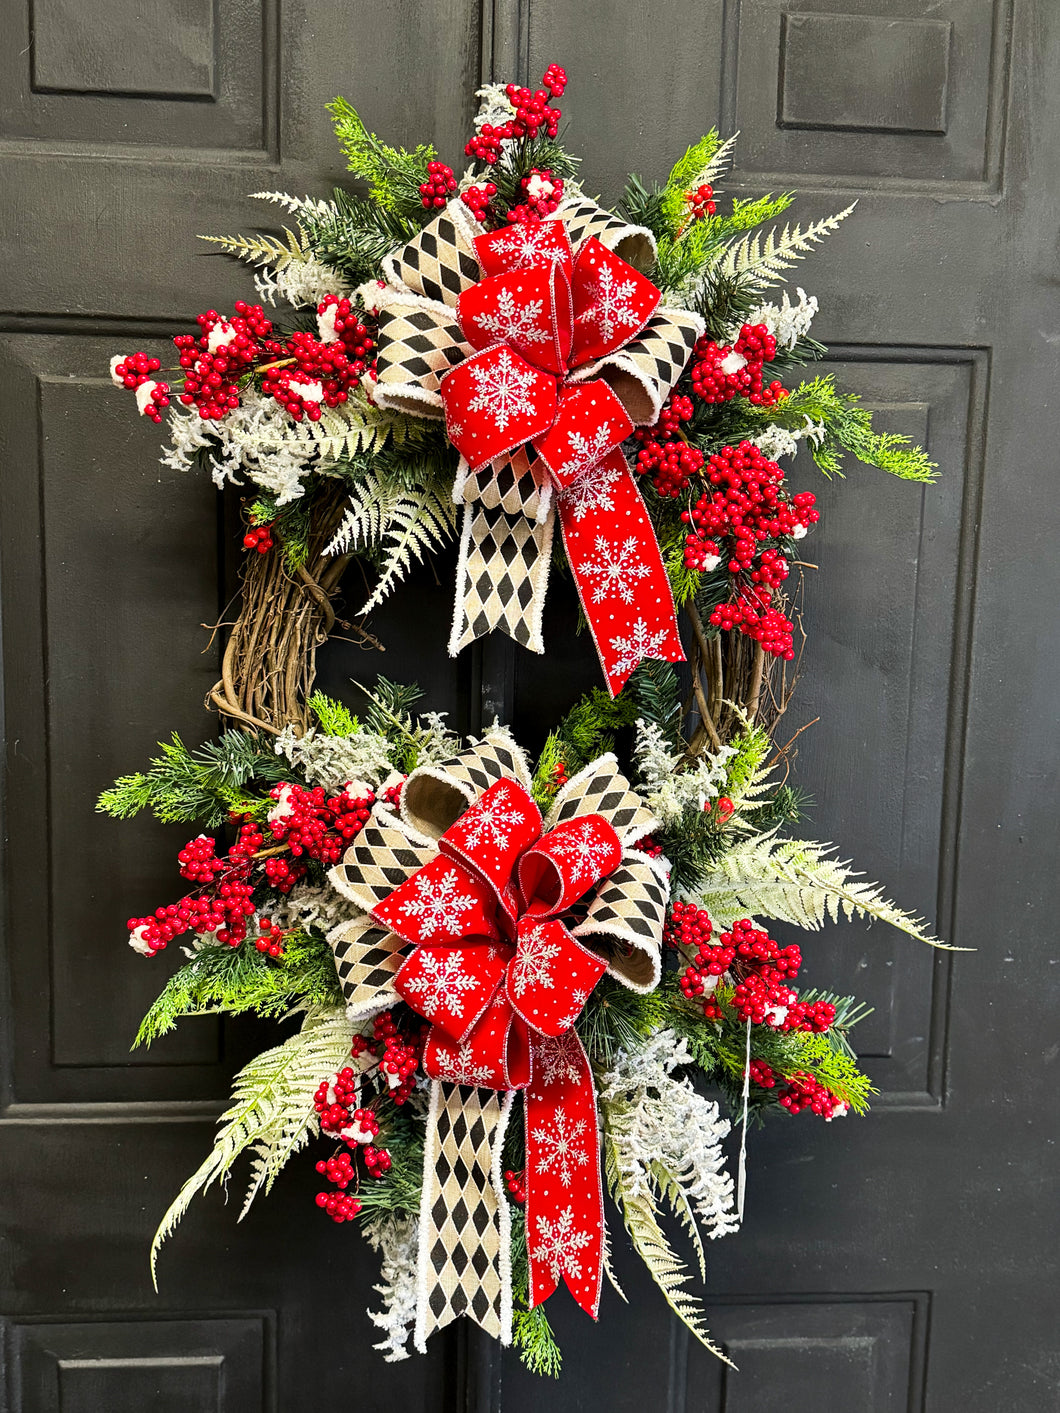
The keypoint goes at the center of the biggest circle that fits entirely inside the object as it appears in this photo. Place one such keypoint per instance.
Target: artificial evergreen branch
(796, 881)
(393, 175)
(233, 980)
(201, 785)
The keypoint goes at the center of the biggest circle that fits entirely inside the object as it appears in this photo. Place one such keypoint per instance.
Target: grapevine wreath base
(511, 977)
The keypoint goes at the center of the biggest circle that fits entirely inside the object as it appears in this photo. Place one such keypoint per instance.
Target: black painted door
(896, 1263)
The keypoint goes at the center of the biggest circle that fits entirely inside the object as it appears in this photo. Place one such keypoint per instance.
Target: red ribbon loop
(537, 315)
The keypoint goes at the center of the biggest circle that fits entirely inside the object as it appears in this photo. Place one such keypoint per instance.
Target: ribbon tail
(564, 1191)
(502, 576)
(618, 569)
(464, 1260)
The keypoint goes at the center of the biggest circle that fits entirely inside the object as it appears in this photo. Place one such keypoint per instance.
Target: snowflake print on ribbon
(528, 244)
(514, 323)
(558, 1061)
(584, 852)
(461, 1068)
(438, 905)
(584, 453)
(612, 308)
(641, 643)
(557, 1243)
(562, 1149)
(577, 1005)
(593, 489)
(492, 821)
(615, 566)
(441, 984)
(502, 391)
(533, 965)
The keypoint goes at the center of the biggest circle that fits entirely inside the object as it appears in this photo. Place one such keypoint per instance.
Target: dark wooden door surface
(903, 1262)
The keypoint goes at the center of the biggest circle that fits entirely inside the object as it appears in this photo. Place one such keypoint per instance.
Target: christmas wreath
(511, 975)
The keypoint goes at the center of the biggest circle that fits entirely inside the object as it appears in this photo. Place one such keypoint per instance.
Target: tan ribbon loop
(584, 218)
(625, 921)
(419, 342)
(436, 795)
(440, 260)
(642, 372)
(380, 858)
(601, 788)
(367, 958)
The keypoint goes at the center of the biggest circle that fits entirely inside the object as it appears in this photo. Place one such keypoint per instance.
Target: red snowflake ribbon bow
(553, 357)
(511, 921)
(501, 978)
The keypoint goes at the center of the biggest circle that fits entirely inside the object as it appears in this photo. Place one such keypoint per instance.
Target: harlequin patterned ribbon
(557, 354)
(497, 931)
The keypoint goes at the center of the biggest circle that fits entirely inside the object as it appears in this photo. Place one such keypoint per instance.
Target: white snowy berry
(115, 376)
(732, 362)
(143, 395)
(137, 942)
(326, 331)
(220, 336)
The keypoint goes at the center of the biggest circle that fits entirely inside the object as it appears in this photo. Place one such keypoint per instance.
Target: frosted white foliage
(665, 1135)
(299, 283)
(776, 442)
(668, 791)
(331, 761)
(256, 440)
(787, 322)
(398, 1240)
(495, 107)
(308, 907)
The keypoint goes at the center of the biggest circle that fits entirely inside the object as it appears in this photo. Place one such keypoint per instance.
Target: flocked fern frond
(263, 249)
(666, 1268)
(761, 258)
(355, 426)
(790, 880)
(422, 520)
(272, 1112)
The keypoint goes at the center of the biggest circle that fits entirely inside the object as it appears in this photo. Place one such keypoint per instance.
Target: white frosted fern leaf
(263, 249)
(294, 204)
(796, 881)
(421, 521)
(665, 1267)
(761, 258)
(718, 164)
(272, 1111)
(355, 426)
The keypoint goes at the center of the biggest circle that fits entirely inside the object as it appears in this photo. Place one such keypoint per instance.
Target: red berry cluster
(533, 114)
(720, 372)
(283, 875)
(753, 614)
(135, 371)
(761, 994)
(400, 1056)
(477, 200)
(269, 938)
(701, 202)
(438, 187)
(315, 824)
(392, 793)
(724, 811)
(671, 463)
(311, 374)
(224, 911)
(224, 351)
(804, 1092)
(559, 775)
(543, 194)
(197, 861)
(762, 1074)
(259, 537)
(745, 504)
(516, 1184)
(649, 845)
